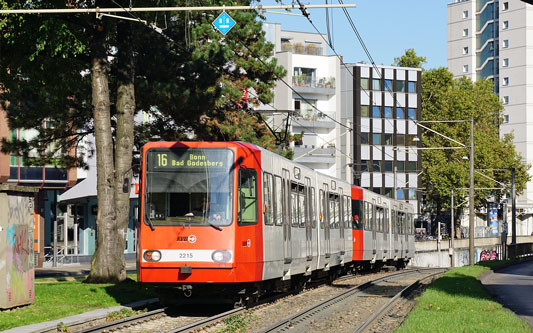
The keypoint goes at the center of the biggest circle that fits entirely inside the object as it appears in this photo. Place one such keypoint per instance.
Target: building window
(505, 62)
(399, 113)
(465, 50)
(306, 109)
(387, 166)
(365, 84)
(465, 14)
(412, 194)
(376, 138)
(376, 111)
(387, 139)
(364, 165)
(364, 138)
(400, 165)
(388, 85)
(505, 25)
(400, 86)
(505, 6)
(465, 68)
(387, 112)
(411, 86)
(400, 139)
(411, 166)
(465, 32)
(376, 84)
(411, 140)
(505, 100)
(506, 119)
(411, 113)
(365, 111)
(505, 43)
(505, 81)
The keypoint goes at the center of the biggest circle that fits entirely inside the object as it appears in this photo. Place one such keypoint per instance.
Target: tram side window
(347, 212)
(411, 227)
(358, 214)
(301, 205)
(247, 192)
(386, 220)
(278, 205)
(294, 205)
(379, 219)
(312, 208)
(322, 203)
(268, 200)
(334, 211)
(369, 216)
(400, 222)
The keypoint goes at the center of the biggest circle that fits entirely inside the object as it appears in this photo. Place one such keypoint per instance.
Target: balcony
(325, 154)
(313, 85)
(299, 48)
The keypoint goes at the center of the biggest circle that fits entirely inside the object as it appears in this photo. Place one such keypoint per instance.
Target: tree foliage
(80, 74)
(410, 59)
(445, 98)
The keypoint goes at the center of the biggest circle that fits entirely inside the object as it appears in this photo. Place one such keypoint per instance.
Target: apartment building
(381, 104)
(310, 95)
(494, 40)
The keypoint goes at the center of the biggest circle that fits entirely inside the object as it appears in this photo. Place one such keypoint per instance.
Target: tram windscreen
(357, 212)
(189, 186)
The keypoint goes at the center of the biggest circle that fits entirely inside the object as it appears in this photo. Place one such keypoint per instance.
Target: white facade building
(312, 100)
(494, 39)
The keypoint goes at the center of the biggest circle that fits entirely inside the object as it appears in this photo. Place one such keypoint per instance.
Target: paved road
(513, 287)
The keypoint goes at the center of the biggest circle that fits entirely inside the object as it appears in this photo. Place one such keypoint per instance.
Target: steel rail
(285, 323)
(404, 292)
(204, 322)
(107, 326)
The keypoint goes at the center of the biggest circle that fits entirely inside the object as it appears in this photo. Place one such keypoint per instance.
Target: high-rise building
(490, 39)
(381, 104)
(310, 95)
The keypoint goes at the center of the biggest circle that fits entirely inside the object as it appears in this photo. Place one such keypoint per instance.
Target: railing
(308, 81)
(310, 49)
(520, 250)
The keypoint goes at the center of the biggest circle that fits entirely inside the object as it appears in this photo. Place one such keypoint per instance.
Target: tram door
(308, 208)
(374, 224)
(326, 218)
(285, 194)
(340, 207)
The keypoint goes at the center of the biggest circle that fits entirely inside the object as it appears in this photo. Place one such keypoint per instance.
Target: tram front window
(189, 186)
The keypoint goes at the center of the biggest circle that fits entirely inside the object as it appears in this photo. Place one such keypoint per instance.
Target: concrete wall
(17, 268)
(427, 254)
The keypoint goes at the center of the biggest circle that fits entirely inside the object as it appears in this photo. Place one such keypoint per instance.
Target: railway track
(309, 318)
(177, 320)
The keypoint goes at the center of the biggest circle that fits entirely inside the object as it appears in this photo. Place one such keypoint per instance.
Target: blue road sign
(224, 23)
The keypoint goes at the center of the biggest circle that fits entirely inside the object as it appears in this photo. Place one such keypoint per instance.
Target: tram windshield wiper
(215, 226)
(150, 224)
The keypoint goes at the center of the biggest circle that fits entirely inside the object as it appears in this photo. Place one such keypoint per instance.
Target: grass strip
(457, 302)
(59, 299)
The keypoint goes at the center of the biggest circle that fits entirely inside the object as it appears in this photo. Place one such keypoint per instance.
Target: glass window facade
(376, 84)
(399, 113)
(376, 111)
(376, 138)
(387, 112)
(411, 113)
(364, 138)
(365, 111)
(365, 84)
(400, 86)
(388, 85)
(387, 139)
(411, 86)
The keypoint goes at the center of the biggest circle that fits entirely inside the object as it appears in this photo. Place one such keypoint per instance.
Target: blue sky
(388, 28)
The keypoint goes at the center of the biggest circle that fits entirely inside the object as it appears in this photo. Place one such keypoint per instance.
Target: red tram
(230, 220)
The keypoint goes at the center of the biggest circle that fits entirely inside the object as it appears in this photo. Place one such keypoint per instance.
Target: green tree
(410, 59)
(189, 79)
(445, 98)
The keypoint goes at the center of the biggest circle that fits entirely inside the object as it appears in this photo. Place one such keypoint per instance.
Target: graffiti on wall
(488, 255)
(20, 265)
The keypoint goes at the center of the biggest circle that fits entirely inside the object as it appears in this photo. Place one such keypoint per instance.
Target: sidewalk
(80, 269)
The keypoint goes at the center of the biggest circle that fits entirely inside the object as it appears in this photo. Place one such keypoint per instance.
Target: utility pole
(513, 207)
(471, 196)
(452, 262)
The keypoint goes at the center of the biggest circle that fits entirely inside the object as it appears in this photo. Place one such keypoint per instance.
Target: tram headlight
(221, 256)
(152, 255)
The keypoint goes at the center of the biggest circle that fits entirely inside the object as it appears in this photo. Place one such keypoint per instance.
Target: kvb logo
(192, 239)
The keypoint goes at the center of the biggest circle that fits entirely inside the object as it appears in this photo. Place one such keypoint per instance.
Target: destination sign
(189, 159)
